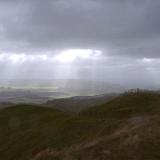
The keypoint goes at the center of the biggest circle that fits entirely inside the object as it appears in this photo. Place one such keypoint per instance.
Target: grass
(125, 128)
(25, 129)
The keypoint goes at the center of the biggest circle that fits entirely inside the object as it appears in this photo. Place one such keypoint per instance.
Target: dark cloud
(130, 27)
(126, 31)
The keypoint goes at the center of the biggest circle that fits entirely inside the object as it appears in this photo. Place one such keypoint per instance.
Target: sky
(114, 41)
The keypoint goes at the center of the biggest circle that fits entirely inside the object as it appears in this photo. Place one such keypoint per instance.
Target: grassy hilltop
(125, 128)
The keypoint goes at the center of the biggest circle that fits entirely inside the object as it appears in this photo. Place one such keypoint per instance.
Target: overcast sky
(111, 40)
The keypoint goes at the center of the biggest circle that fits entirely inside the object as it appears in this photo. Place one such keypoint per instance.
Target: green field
(125, 128)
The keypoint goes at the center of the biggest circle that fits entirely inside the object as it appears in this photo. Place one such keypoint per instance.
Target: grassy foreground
(125, 128)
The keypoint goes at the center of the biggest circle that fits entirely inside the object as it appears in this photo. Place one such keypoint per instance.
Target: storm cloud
(127, 32)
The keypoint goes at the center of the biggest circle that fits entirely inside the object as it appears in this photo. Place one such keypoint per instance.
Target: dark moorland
(125, 128)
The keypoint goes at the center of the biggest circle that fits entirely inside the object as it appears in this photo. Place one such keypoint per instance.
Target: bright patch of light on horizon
(148, 60)
(64, 56)
(21, 58)
(73, 54)
(13, 58)
(17, 58)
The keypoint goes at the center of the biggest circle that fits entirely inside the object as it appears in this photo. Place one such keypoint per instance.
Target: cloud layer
(126, 31)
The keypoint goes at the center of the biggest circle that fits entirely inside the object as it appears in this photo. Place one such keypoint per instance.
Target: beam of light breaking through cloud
(106, 40)
(64, 56)
(73, 54)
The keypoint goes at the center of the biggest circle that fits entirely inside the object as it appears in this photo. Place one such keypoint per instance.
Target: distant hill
(75, 87)
(79, 103)
(5, 104)
(29, 96)
(125, 128)
(42, 90)
(87, 87)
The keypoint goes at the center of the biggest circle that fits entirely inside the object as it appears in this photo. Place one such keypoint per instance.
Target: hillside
(79, 103)
(125, 128)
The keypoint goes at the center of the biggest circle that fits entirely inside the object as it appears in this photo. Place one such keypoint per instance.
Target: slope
(125, 128)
